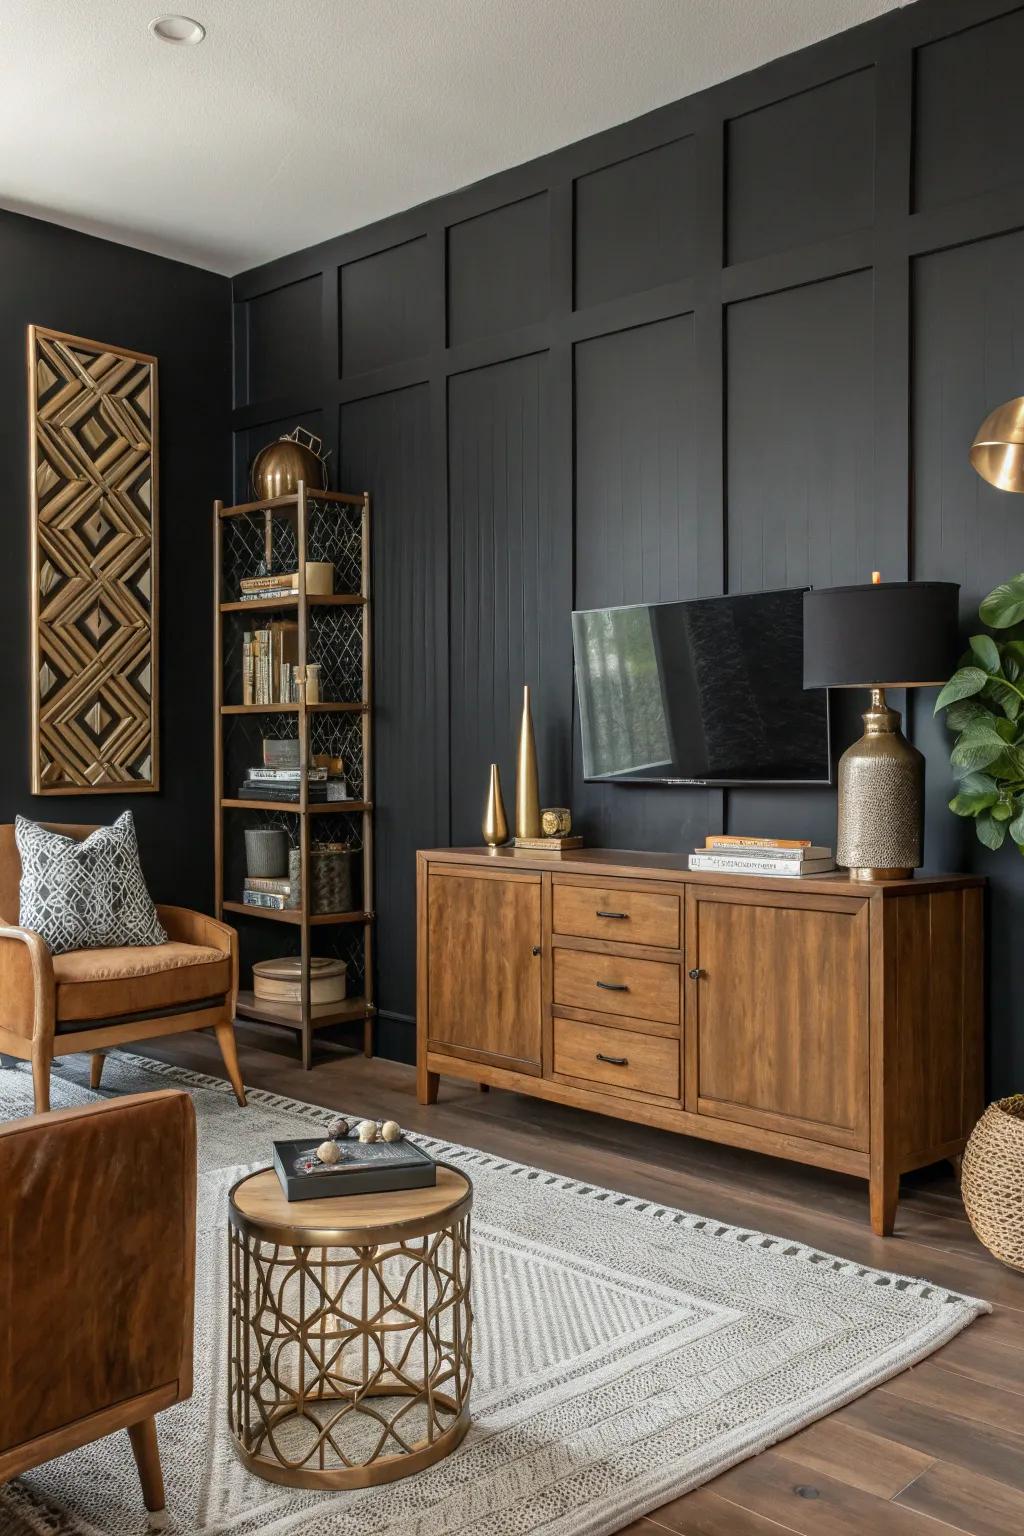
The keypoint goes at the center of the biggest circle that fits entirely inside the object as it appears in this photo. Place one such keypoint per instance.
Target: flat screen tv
(702, 692)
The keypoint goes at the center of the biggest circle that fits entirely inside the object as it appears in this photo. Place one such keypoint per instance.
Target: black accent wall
(71, 282)
(740, 343)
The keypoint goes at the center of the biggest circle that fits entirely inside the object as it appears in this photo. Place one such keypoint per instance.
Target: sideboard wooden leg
(427, 1085)
(885, 1193)
(147, 1460)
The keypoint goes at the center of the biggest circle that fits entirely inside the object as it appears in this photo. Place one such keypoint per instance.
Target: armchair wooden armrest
(97, 1272)
(28, 1018)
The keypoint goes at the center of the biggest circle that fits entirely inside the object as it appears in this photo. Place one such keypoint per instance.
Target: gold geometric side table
(350, 1331)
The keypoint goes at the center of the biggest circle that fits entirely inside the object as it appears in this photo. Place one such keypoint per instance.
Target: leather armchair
(97, 1278)
(93, 999)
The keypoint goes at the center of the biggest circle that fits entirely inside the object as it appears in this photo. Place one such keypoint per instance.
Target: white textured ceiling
(297, 120)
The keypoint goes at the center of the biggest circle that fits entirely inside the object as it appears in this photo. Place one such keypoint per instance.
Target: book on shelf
(317, 793)
(802, 855)
(271, 901)
(287, 775)
(272, 885)
(735, 840)
(260, 586)
(766, 864)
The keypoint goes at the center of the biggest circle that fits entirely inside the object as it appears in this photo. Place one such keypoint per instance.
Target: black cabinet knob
(695, 974)
(536, 949)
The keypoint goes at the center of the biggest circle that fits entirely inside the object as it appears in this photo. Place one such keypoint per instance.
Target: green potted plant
(984, 704)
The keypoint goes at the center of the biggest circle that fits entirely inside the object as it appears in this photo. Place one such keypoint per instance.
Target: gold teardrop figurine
(495, 822)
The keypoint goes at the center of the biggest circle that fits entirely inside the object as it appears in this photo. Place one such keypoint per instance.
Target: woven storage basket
(992, 1182)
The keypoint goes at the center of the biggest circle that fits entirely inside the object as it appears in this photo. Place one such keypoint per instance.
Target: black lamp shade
(897, 634)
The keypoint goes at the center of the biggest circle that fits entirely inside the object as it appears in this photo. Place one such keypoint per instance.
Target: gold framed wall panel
(93, 471)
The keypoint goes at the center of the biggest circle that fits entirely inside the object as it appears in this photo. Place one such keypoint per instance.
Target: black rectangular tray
(367, 1168)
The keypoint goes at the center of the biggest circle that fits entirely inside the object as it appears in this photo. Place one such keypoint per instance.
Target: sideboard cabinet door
(777, 1009)
(484, 967)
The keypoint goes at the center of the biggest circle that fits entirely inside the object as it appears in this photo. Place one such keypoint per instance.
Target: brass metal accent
(527, 791)
(279, 467)
(881, 798)
(94, 555)
(556, 821)
(997, 452)
(350, 1351)
(495, 822)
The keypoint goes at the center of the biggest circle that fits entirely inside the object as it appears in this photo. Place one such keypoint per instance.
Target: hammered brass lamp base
(881, 799)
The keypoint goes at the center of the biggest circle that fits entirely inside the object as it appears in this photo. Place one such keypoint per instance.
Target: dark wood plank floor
(936, 1450)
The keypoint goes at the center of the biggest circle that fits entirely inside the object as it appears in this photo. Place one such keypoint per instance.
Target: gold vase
(527, 791)
(495, 822)
(881, 799)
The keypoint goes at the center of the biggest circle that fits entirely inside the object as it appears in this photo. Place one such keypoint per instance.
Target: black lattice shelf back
(94, 462)
(314, 643)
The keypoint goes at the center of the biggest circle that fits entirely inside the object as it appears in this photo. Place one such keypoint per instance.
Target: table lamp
(897, 634)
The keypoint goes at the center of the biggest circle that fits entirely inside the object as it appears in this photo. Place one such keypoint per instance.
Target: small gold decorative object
(391, 1131)
(527, 792)
(495, 822)
(278, 468)
(338, 1128)
(367, 1130)
(556, 821)
(328, 1152)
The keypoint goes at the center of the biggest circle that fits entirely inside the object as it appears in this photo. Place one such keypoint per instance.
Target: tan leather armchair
(92, 999)
(97, 1278)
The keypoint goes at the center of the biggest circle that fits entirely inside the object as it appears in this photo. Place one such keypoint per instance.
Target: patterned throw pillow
(85, 895)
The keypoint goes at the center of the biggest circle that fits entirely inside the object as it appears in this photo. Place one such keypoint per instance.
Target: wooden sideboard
(823, 1020)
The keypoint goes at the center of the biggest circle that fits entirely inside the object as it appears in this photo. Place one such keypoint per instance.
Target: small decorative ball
(391, 1131)
(328, 1152)
(367, 1130)
(338, 1129)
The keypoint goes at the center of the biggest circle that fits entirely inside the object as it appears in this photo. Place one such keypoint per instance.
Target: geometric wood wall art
(93, 466)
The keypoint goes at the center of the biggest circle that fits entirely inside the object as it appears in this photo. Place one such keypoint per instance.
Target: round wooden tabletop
(348, 1221)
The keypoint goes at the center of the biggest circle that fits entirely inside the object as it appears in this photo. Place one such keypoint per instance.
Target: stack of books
(271, 893)
(787, 858)
(284, 784)
(270, 664)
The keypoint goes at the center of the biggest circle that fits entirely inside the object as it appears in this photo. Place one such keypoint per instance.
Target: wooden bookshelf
(353, 713)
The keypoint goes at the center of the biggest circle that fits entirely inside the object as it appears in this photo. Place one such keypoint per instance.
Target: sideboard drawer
(640, 989)
(620, 1058)
(627, 916)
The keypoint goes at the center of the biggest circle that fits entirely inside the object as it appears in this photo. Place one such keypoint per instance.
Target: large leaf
(986, 652)
(960, 714)
(1007, 729)
(1016, 829)
(1001, 694)
(1005, 605)
(991, 833)
(1008, 765)
(978, 746)
(968, 681)
(971, 805)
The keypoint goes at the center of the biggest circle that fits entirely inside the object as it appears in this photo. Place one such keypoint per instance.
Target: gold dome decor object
(495, 822)
(997, 452)
(278, 468)
(992, 1180)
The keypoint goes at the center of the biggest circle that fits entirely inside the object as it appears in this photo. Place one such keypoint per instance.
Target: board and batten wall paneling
(637, 536)
(506, 579)
(741, 342)
(385, 442)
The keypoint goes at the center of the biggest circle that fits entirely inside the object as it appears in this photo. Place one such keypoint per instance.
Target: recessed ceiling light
(177, 29)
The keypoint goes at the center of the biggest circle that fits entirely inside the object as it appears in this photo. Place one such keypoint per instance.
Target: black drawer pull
(612, 986)
(613, 1061)
(622, 915)
(695, 974)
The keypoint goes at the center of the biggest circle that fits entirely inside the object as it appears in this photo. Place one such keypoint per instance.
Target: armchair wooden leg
(42, 1057)
(96, 1068)
(229, 1051)
(147, 1458)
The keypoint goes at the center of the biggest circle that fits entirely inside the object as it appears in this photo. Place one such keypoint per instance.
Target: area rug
(624, 1353)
